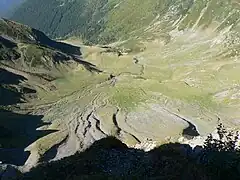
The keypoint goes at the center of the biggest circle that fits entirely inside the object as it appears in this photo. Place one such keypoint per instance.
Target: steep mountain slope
(64, 17)
(110, 20)
(172, 71)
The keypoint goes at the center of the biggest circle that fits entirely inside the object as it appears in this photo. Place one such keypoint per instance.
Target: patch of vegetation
(15, 30)
(34, 55)
(128, 97)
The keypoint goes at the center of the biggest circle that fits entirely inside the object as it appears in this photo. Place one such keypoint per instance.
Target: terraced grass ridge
(155, 69)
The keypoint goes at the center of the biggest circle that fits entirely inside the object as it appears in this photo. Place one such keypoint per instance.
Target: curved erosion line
(134, 129)
(191, 130)
(98, 124)
(114, 118)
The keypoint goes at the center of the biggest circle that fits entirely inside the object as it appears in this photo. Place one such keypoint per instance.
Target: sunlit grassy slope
(183, 64)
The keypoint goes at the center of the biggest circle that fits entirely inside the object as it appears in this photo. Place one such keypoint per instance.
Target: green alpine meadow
(73, 72)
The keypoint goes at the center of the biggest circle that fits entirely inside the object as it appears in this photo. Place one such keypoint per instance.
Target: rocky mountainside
(171, 71)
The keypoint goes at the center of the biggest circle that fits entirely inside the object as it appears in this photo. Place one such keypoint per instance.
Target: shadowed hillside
(9, 94)
(32, 48)
(22, 33)
(28, 58)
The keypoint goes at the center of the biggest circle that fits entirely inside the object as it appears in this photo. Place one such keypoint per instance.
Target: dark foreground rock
(109, 158)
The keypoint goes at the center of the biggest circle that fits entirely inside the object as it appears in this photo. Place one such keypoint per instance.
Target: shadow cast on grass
(64, 47)
(17, 131)
(73, 51)
(9, 94)
(63, 50)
